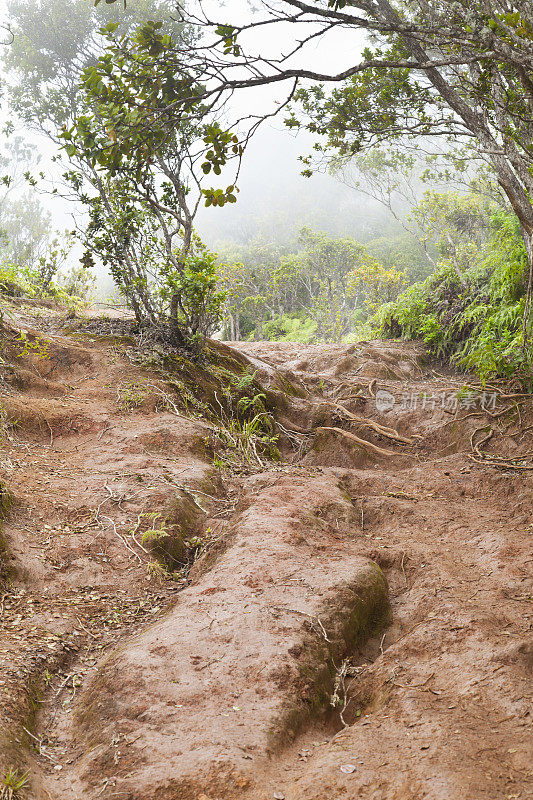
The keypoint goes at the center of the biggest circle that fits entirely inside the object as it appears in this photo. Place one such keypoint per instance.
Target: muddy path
(352, 620)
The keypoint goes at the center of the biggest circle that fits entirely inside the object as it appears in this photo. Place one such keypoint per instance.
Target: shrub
(476, 323)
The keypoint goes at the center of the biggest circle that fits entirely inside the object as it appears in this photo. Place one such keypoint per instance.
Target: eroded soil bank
(350, 620)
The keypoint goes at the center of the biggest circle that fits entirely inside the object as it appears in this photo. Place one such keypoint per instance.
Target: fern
(475, 323)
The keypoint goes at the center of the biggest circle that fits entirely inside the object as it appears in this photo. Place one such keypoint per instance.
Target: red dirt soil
(359, 626)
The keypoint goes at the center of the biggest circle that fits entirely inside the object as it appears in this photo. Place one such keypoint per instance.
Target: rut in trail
(356, 622)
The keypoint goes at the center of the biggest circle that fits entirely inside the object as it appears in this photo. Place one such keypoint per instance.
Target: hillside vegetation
(266, 484)
(472, 316)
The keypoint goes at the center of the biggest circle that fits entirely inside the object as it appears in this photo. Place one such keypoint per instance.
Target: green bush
(404, 253)
(476, 322)
(72, 288)
(289, 328)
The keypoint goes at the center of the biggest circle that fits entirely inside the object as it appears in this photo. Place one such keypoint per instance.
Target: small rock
(348, 768)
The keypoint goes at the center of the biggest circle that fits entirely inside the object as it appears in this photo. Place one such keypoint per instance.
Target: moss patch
(175, 541)
(287, 386)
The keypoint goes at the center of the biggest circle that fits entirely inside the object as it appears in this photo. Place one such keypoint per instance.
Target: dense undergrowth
(472, 319)
(291, 328)
(469, 310)
(71, 289)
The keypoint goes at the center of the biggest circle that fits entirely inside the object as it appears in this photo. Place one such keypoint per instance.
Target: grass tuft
(12, 783)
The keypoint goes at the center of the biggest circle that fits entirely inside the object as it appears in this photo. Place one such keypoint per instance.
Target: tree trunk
(513, 177)
(136, 307)
(175, 328)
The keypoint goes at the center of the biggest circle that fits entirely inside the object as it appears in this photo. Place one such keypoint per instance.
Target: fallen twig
(403, 570)
(82, 626)
(124, 542)
(414, 685)
(323, 632)
(104, 430)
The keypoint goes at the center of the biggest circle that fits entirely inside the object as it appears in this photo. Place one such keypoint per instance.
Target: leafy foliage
(319, 292)
(450, 69)
(53, 42)
(135, 172)
(48, 278)
(473, 319)
(11, 784)
(126, 129)
(195, 288)
(403, 253)
(246, 430)
(291, 328)
(456, 224)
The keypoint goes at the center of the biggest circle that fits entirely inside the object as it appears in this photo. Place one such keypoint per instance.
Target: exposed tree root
(502, 463)
(362, 442)
(475, 447)
(485, 412)
(516, 394)
(383, 430)
(491, 460)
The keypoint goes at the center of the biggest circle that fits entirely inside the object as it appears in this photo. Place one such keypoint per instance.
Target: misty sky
(270, 182)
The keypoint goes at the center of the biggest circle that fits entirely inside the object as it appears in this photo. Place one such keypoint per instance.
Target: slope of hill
(289, 571)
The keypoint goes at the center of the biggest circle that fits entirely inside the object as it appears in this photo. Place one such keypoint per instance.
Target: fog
(274, 200)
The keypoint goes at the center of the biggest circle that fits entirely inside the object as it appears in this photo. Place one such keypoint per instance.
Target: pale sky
(270, 165)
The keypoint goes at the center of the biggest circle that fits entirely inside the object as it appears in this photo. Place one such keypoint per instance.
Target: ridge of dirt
(358, 625)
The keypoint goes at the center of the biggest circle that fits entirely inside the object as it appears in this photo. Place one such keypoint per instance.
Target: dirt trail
(359, 624)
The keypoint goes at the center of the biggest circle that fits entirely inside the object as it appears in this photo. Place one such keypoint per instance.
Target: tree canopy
(109, 83)
(152, 131)
(52, 46)
(449, 68)
(330, 281)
